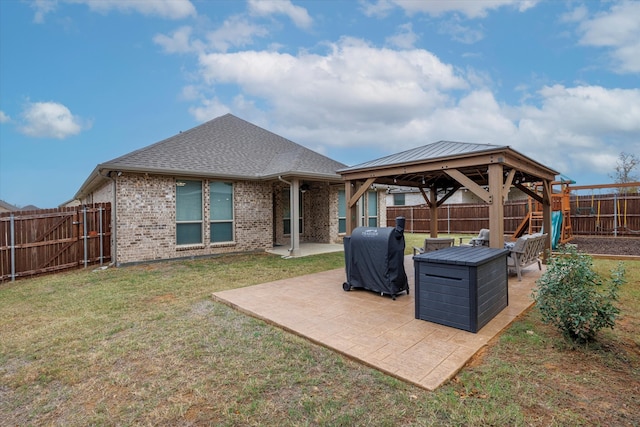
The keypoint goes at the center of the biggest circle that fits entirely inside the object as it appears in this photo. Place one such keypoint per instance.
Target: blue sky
(85, 81)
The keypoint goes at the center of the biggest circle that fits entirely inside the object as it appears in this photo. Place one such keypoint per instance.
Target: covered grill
(374, 259)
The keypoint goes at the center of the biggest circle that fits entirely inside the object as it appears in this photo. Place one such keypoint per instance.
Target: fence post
(412, 225)
(13, 248)
(615, 215)
(100, 231)
(84, 233)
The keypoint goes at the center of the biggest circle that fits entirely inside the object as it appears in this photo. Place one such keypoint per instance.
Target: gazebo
(439, 169)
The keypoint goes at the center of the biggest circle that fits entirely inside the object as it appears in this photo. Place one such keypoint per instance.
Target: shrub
(574, 298)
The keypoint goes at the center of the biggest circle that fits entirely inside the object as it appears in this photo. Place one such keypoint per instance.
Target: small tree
(574, 298)
(625, 166)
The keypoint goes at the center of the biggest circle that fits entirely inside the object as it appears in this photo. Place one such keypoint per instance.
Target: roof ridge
(226, 146)
(180, 133)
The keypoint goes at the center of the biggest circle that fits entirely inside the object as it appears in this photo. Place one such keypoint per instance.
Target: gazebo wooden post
(496, 206)
(433, 210)
(352, 210)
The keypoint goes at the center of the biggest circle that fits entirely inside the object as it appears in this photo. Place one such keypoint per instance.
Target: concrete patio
(372, 329)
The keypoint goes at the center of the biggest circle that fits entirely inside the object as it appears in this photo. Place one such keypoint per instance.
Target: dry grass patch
(146, 345)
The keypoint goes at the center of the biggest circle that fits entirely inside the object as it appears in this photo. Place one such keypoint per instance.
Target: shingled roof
(225, 147)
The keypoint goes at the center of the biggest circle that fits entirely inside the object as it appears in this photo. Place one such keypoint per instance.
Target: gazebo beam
(363, 188)
(425, 197)
(353, 191)
(470, 184)
(449, 194)
(530, 193)
(507, 183)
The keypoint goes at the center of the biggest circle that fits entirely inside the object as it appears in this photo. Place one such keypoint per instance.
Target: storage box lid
(462, 255)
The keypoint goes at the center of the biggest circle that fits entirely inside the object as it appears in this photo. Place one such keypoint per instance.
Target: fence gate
(49, 240)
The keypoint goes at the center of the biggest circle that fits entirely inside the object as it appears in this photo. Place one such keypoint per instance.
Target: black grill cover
(374, 259)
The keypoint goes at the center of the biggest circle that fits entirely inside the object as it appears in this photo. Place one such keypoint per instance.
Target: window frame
(213, 221)
(342, 209)
(180, 222)
(373, 194)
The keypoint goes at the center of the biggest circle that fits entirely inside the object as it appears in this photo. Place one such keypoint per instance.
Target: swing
(598, 227)
(589, 209)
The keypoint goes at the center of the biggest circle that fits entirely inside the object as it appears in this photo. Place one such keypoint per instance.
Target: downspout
(114, 210)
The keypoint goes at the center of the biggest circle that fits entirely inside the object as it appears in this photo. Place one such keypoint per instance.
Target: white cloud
(593, 109)
(581, 128)
(352, 83)
(179, 41)
(42, 7)
(355, 95)
(208, 110)
(189, 93)
(460, 33)
(379, 8)
(50, 120)
(169, 9)
(235, 32)
(469, 8)
(405, 38)
(578, 14)
(4, 118)
(619, 30)
(297, 14)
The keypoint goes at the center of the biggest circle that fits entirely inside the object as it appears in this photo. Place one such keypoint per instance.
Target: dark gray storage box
(462, 287)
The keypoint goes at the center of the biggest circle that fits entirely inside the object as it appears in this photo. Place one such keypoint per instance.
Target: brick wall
(146, 217)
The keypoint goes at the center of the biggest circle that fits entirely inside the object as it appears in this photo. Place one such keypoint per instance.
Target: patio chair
(433, 244)
(481, 240)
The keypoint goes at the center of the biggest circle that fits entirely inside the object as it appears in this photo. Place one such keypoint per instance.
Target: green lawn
(146, 345)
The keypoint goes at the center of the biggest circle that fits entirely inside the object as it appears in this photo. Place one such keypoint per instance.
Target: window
(188, 212)
(398, 199)
(342, 212)
(372, 209)
(286, 201)
(221, 207)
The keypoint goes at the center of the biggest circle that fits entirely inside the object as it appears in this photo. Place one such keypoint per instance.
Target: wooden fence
(601, 215)
(50, 240)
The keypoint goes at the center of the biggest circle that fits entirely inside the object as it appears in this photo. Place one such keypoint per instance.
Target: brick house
(225, 186)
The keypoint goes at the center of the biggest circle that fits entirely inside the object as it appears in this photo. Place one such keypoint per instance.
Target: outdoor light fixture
(304, 188)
